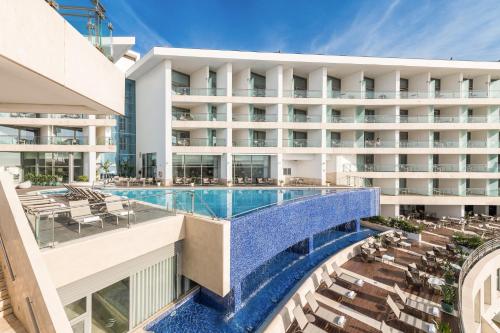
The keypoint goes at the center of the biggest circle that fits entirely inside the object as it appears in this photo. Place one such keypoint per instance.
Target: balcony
(376, 168)
(255, 117)
(184, 116)
(477, 144)
(445, 168)
(302, 118)
(477, 168)
(301, 143)
(414, 144)
(255, 92)
(199, 142)
(380, 144)
(255, 143)
(340, 119)
(425, 94)
(446, 144)
(199, 91)
(302, 93)
(53, 140)
(413, 168)
(340, 144)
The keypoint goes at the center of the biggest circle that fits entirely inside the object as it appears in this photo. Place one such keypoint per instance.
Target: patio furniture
(325, 314)
(367, 257)
(239, 180)
(80, 213)
(413, 269)
(387, 258)
(440, 251)
(179, 181)
(339, 290)
(405, 244)
(409, 319)
(420, 305)
(206, 181)
(346, 277)
(413, 281)
(248, 181)
(260, 181)
(115, 208)
(304, 324)
(214, 181)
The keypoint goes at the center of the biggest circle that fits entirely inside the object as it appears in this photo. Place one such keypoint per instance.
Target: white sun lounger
(420, 305)
(324, 313)
(331, 285)
(304, 324)
(80, 213)
(114, 207)
(346, 277)
(409, 319)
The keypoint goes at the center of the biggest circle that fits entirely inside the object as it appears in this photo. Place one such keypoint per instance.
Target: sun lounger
(304, 324)
(384, 328)
(409, 319)
(420, 305)
(331, 285)
(37, 202)
(346, 277)
(114, 207)
(324, 313)
(80, 213)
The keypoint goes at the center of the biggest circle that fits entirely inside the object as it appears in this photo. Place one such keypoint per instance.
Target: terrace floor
(380, 278)
(50, 232)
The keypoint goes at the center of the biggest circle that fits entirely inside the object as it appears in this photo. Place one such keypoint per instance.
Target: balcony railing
(380, 144)
(255, 143)
(199, 142)
(43, 116)
(199, 91)
(341, 119)
(413, 144)
(184, 116)
(446, 144)
(340, 144)
(52, 140)
(445, 168)
(255, 92)
(477, 192)
(376, 167)
(413, 168)
(477, 168)
(302, 93)
(301, 143)
(476, 144)
(255, 117)
(299, 118)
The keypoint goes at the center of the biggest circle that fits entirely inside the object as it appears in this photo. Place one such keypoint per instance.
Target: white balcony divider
(151, 289)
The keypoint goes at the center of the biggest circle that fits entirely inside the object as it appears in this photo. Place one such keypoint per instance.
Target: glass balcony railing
(376, 167)
(184, 116)
(413, 168)
(445, 191)
(302, 93)
(476, 144)
(477, 119)
(255, 143)
(340, 119)
(445, 144)
(424, 94)
(477, 192)
(255, 117)
(380, 119)
(477, 168)
(299, 118)
(52, 140)
(340, 144)
(255, 92)
(199, 91)
(380, 144)
(445, 168)
(301, 143)
(199, 142)
(414, 144)
(411, 191)
(105, 141)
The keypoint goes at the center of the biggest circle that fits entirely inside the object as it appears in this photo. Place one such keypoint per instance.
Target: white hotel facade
(425, 131)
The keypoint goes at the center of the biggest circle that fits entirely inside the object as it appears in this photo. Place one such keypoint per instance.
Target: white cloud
(430, 29)
(124, 15)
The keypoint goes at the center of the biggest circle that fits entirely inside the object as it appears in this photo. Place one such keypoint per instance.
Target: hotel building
(425, 131)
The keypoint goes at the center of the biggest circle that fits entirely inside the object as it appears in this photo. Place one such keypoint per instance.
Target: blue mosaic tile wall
(257, 237)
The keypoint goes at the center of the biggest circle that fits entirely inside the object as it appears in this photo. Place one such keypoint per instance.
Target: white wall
(154, 114)
(199, 79)
(274, 79)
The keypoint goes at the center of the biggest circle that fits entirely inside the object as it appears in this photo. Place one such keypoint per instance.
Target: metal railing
(32, 313)
(199, 91)
(298, 93)
(474, 257)
(299, 118)
(301, 143)
(7, 259)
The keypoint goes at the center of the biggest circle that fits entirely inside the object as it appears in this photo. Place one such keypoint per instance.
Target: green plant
(449, 274)
(448, 301)
(442, 327)
(82, 178)
(106, 166)
(469, 241)
(397, 223)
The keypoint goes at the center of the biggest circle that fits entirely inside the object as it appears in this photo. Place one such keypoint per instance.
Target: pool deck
(380, 278)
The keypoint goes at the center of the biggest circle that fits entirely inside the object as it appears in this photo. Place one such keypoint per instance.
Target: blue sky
(462, 29)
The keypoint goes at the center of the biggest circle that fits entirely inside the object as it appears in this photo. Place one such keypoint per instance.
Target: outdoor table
(435, 282)
(387, 258)
(405, 244)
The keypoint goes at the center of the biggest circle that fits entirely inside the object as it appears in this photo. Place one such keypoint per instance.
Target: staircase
(8, 321)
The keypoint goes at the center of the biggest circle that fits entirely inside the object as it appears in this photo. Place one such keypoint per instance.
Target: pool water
(275, 281)
(223, 203)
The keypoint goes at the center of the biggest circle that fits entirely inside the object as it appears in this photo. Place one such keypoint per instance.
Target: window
(180, 79)
(403, 84)
(259, 81)
(369, 84)
(110, 308)
(334, 84)
(287, 171)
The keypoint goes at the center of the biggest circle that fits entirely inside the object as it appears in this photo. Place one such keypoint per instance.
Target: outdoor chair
(81, 214)
(407, 318)
(421, 304)
(322, 312)
(115, 208)
(304, 324)
(337, 289)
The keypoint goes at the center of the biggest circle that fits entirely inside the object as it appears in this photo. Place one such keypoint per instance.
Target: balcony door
(149, 165)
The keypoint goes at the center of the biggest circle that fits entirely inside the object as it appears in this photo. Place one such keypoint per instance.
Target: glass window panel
(110, 308)
(76, 309)
(180, 79)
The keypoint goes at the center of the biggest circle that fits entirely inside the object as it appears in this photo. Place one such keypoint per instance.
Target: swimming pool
(223, 203)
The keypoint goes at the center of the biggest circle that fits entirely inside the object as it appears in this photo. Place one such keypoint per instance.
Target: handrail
(7, 260)
(32, 314)
(474, 257)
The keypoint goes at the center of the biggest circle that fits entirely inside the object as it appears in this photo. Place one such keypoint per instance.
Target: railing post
(192, 202)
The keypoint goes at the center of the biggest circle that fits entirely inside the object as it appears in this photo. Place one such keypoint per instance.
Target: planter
(448, 308)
